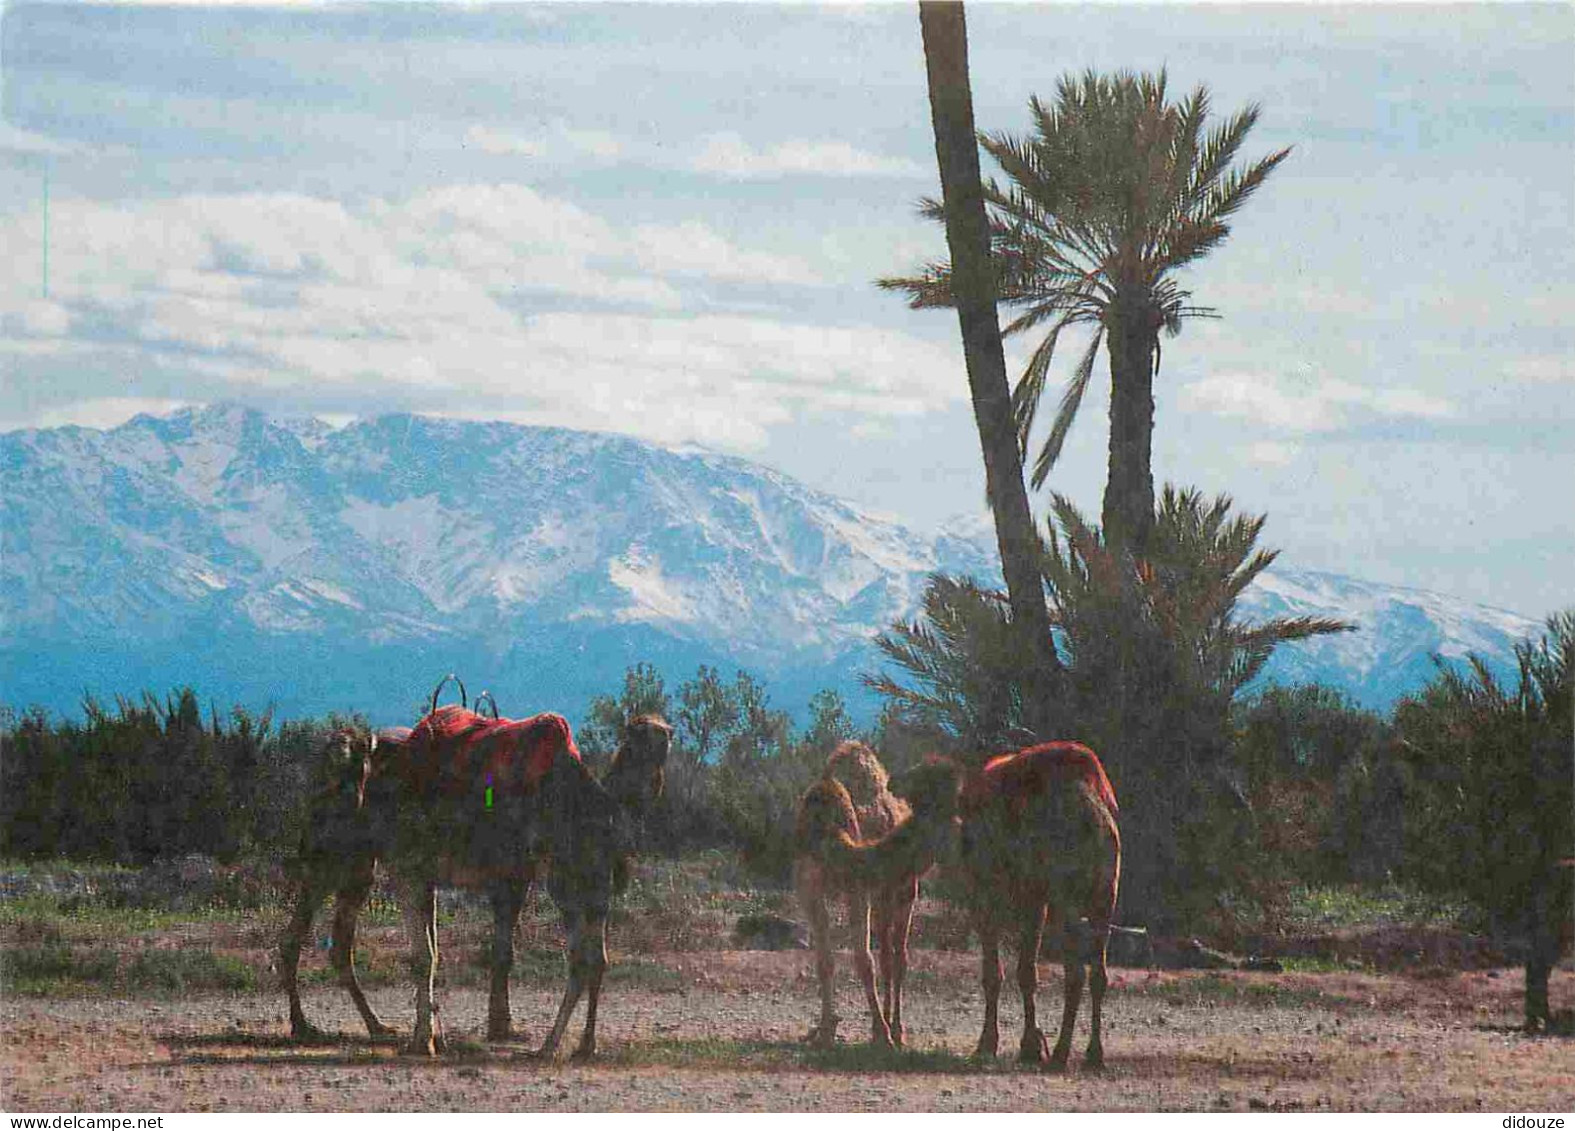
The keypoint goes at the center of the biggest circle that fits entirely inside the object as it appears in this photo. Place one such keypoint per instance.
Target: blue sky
(666, 220)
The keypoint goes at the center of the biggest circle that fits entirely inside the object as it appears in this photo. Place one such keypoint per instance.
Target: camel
(493, 804)
(349, 825)
(860, 851)
(1040, 835)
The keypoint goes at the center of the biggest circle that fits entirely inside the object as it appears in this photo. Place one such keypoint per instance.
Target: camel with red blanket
(1040, 835)
(493, 804)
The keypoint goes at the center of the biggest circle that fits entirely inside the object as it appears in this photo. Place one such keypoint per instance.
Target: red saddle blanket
(1025, 772)
(457, 752)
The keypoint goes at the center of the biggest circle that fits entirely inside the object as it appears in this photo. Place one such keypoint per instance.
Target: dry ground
(717, 1031)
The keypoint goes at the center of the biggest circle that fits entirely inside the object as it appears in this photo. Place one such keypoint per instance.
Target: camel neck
(911, 847)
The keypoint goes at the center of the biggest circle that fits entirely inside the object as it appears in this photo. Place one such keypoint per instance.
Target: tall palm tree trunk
(968, 237)
(1128, 513)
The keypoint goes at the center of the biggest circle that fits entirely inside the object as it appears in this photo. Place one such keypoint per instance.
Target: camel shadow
(786, 1055)
(271, 1040)
(1561, 1024)
(714, 1053)
(282, 1050)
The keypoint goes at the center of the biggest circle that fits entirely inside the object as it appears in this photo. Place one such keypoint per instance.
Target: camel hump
(855, 766)
(1031, 771)
(562, 734)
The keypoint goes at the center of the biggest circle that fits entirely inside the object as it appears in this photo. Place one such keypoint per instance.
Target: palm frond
(1071, 401)
(1031, 385)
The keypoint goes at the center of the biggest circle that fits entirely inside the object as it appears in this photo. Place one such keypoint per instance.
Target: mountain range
(269, 560)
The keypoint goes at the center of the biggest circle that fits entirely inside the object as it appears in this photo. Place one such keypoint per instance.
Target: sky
(666, 221)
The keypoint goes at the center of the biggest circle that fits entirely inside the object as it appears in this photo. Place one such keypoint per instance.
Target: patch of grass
(538, 965)
(705, 1052)
(640, 973)
(1216, 989)
(1353, 906)
(61, 970)
(83, 916)
(1316, 964)
(175, 972)
(55, 970)
(692, 903)
(387, 971)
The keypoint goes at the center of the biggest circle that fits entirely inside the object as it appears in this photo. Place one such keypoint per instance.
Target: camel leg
(886, 958)
(594, 963)
(347, 908)
(418, 900)
(812, 896)
(307, 899)
(1032, 1049)
(990, 963)
(900, 930)
(584, 951)
(1098, 981)
(508, 896)
(1073, 997)
(859, 921)
(898, 921)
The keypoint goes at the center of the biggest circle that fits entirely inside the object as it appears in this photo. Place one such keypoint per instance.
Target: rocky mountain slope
(264, 559)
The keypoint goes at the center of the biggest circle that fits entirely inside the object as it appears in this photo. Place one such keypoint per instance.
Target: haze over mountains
(269, 560)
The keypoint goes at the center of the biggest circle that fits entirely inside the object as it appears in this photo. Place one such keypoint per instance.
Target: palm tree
(1498, 812)
(1153, 653)
(961, 209)
(1113, 193)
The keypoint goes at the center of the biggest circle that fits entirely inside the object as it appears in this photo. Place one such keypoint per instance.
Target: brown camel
(856, 849)
(492, 804)
(1039, 835)
(349, 824)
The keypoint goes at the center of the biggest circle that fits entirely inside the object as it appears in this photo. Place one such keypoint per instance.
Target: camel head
(638, 772)
(347, 761)
(930, 788)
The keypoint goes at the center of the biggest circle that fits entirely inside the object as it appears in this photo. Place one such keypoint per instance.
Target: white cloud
(729, 155)
(489, 140)
(430, 298)
(559, 140)
(1306, 407)
(691, 248)
(38, 318)
(1271, 453)
(99, 412)
(1549, 369)
(16, 140)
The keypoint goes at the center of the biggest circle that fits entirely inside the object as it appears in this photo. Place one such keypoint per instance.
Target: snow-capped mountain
(264, 559)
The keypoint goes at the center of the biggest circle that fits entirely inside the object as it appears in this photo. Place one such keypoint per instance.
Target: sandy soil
(718, 1032)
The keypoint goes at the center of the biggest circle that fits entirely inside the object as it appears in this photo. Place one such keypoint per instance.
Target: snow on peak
(401, 530)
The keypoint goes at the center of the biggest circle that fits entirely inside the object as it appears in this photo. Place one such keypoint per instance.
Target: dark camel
(349, 824)
(493, 805)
